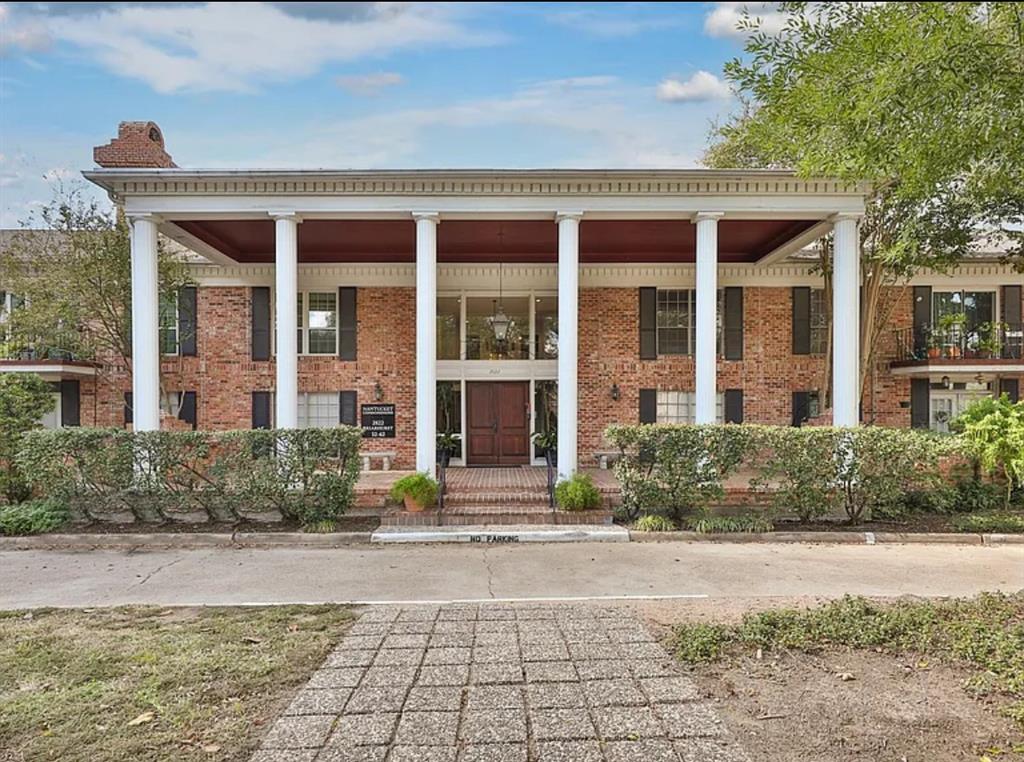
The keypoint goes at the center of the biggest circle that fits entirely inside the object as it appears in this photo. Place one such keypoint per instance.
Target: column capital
(700, 216)
(146, 216)
(855, 216)
(287, 214)
(569, 214)
(434, 217)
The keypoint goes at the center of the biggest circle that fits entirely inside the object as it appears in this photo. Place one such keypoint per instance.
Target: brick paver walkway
(498, 683)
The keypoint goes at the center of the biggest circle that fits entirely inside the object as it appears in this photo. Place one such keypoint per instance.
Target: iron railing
(988, 341)
(28, 351)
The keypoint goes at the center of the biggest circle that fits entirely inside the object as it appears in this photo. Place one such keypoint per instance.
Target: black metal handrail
(987, 341)
(551, 461)
(444, 456)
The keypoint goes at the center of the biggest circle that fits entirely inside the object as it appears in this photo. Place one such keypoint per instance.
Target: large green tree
(924, 101)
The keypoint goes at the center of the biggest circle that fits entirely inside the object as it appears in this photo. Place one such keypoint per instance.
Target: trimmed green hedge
(809, 471)
(308, 475)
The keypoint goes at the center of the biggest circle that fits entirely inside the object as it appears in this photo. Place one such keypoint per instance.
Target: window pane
(819, 322)
(675, 322)
(319, 410)
(545, 409)
(448, 315)
(168, 312)
(978, 308)
(449, 411)
(681, 407)
(546, 324)
(323, 316)
(481, 343)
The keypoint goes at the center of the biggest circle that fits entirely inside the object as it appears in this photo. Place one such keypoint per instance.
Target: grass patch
(998, 523)
(985, 633)
(201, 684)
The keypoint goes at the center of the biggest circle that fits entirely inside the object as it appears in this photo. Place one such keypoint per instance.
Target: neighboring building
(497, 303)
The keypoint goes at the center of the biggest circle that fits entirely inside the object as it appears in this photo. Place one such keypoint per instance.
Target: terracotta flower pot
(411, 505)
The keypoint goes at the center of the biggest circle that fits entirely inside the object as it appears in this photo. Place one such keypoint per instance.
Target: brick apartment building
(499, 303)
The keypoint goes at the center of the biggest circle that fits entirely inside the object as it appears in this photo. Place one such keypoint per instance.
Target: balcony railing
(36, 351)
(989, 341)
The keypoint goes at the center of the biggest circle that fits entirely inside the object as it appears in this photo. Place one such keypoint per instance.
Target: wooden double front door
(498, 414)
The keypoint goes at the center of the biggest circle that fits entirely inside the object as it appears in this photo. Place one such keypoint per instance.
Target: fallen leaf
(142, 719)
(211, 748)
(252, 639)
(845, 676)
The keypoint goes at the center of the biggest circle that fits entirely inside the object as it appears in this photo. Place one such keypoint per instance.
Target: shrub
(33, 517)
(24, 399)
(654, 523)
(916, 501)
(797, 469)
(307, 475)
(993, 431)
(749, 522)
(675, 467)
(999, 523)
(974, 495)
(419, 487)
(577, 493)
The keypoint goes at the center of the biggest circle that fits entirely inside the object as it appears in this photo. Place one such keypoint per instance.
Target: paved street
(440, 573)
(499, 683)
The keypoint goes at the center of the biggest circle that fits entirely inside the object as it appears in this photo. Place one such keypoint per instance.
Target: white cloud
(240, 46)
(619, 23)
(21, 35)
(724, 20)
(701, 86)
(369, 84)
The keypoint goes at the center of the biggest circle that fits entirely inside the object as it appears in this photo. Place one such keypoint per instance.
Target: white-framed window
(168, 324)
(681, 407)
(318, 322)
(818, 321)
(677, 321)
(319, 410)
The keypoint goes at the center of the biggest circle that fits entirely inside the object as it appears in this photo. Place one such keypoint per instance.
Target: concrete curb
(503, 534)
(834, 538)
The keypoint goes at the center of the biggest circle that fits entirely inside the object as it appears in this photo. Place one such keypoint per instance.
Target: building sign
(378, 421)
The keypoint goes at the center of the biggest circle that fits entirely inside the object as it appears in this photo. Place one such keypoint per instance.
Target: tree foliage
(994, 432)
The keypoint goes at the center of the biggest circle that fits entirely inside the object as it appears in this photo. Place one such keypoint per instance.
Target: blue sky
(361, 84)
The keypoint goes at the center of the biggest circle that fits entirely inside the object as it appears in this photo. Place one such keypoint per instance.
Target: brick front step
(472, 497)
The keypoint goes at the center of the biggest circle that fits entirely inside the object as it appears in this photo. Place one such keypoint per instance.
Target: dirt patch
(854, 706)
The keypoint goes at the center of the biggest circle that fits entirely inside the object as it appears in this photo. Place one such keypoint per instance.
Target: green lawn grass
(153, 683)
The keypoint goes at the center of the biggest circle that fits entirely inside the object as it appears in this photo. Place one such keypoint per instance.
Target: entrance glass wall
(482, 342)
(449, 411)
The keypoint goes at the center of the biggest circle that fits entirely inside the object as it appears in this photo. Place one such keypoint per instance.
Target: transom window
(677, 321)
(681, 407)
(978, 307)
(466, 327)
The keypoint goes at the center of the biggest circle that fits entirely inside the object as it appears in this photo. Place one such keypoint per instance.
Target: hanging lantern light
(499, 320)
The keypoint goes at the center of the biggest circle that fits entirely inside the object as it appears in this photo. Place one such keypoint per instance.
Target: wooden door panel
(514, 422)
(498, 424)
(482, 424)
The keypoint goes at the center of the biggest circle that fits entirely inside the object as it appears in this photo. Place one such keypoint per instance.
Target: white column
(286, 276)
(846, 323)
(568, 339)
(145, 326)
(426, 341)
(706, 349)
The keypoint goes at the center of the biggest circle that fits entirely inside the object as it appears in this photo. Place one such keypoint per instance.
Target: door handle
(494, 427)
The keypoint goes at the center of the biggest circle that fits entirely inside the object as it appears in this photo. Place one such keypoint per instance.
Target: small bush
(24, 399)
(974, 496)
(577, 493)
(420, 488)
(711, 524)
(33, 517)
(999, 523)
(654, 523)
(993, 432)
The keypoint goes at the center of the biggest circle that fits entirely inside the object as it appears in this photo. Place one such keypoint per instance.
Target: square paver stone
(353, 754)
(641, 750)
(388, 677)
(602, 670)
(447, 656)
(361, 642)
(492, 613)
(284, 755)
(480, 697)
(693, 720)
(454, 627)
(444, 674)
(365, 700)
(398, 657)
(345, 677)
(411, 628)
(555, 696)
(561, 725)
(569, 751)
(645, 651)
(628, 722)
(709, 750)
(618, 692)
(363, 628)
(669, 690)
(405, 641)
(663, 667)
(496, 673)
(494, 752)
(428, 729)
(306, 732)
(495, 654)
(339, 659)
(494, 726)
(422, 754)
(550, 651)
(592, 651)
(364, 729)
(434, 699)
(497, 639)
(550, 672)
(328, 701)
(452, 640)
(501, 627)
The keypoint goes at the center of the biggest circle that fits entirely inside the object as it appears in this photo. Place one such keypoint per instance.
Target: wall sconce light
(378, 392)
(615, 392)
(946, 382)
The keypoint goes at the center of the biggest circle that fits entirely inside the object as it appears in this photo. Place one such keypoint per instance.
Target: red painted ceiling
(495, 240)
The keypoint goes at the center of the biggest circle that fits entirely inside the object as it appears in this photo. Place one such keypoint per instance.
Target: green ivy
(33, 517)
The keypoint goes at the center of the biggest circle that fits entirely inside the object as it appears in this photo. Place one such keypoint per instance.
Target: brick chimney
(138, 144)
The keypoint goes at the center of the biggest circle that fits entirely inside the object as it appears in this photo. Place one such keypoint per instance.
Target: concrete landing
(492, 534)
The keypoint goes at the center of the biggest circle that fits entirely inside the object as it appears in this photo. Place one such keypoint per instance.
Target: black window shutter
(648, 406)
(128, 408)
(70, 404)
(801, 320)
(920, 396)
(347, 407)
(261, 323)
(801, 405)
(188, 321)
(732, 323)
(261, 410)
(734, 406)
(648, 323)
(1012, 347)
(187, 409)
(1011, 388)
(346, 323)
(922, 318)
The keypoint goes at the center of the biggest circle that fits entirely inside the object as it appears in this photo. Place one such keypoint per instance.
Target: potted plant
(448, 443)
(577, 493)
(952, 326)
(417, 491)
(934, 350)
(547, 443)
(989, 344)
